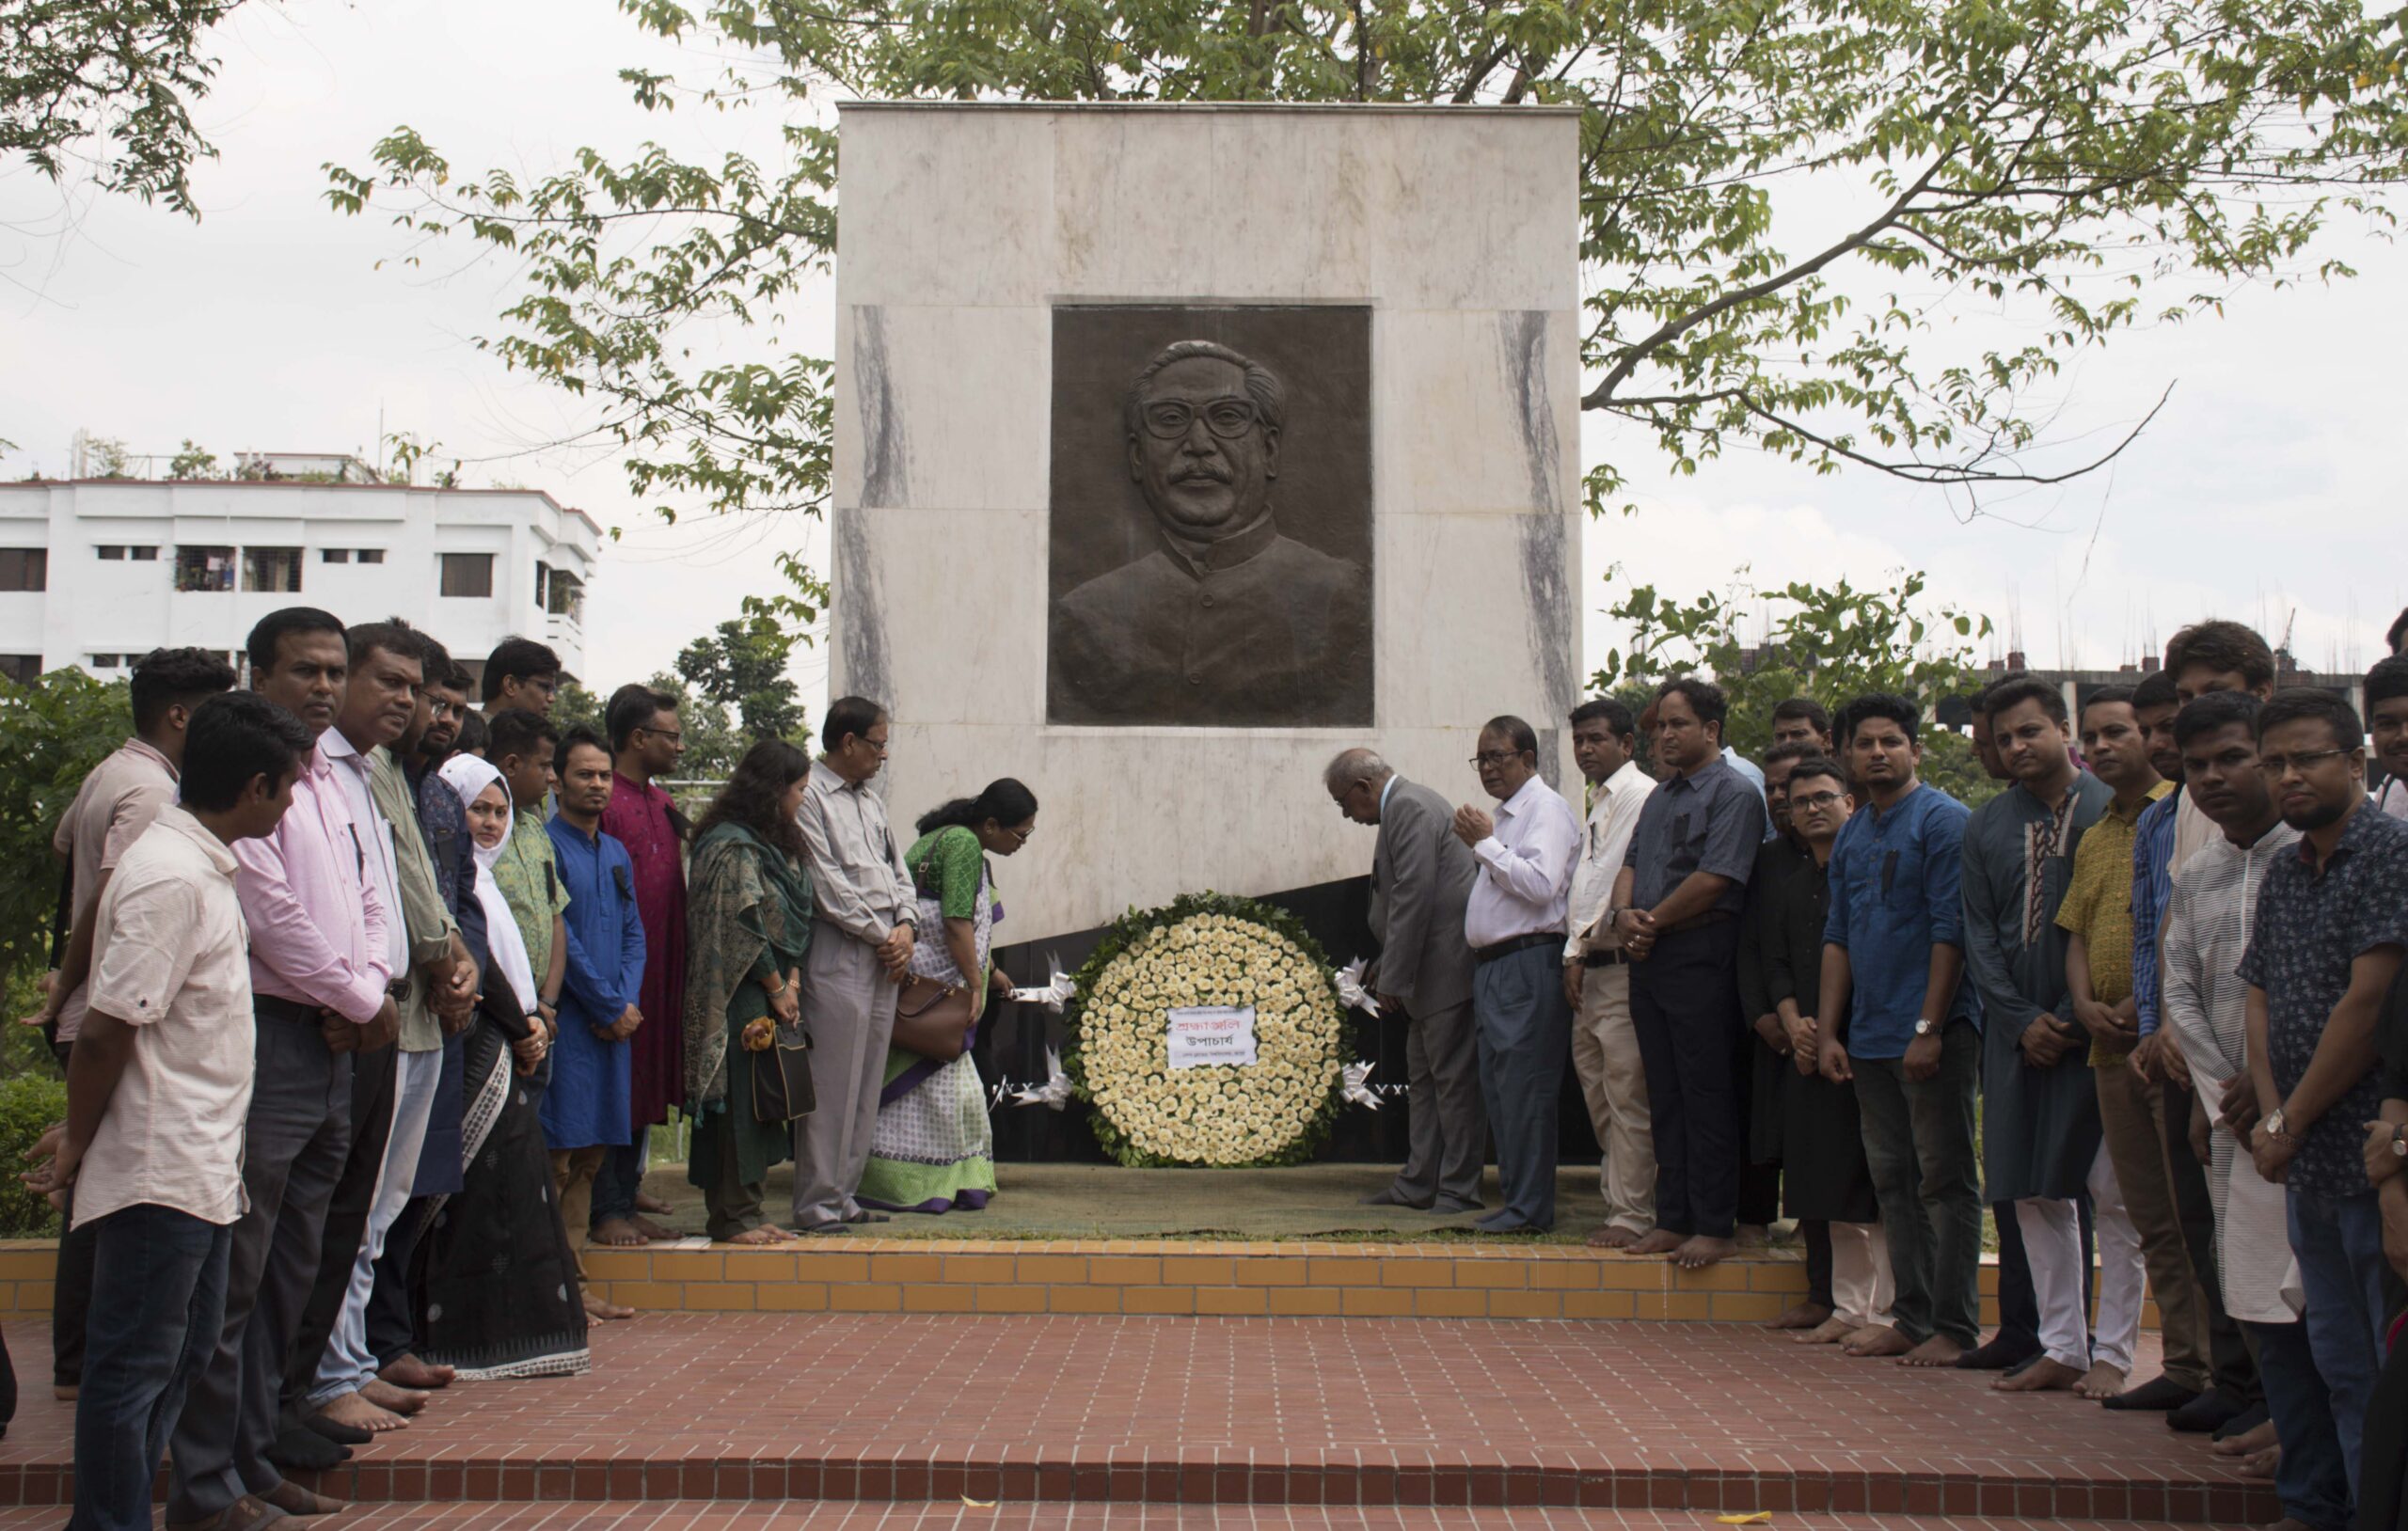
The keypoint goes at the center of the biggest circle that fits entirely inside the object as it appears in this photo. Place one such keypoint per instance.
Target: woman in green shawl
(748, 926)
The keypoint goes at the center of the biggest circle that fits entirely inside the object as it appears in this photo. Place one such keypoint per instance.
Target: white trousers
(1861, 1290)
(2053, 1243)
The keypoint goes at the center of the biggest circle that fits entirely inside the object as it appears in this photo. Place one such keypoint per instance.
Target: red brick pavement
(1260, 1413)
(795, 1515)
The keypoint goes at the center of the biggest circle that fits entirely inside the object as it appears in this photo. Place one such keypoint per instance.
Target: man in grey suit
(1422, 874)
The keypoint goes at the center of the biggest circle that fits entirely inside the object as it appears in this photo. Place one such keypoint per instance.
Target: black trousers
(392, 1325)
(70, 1284)
(1684, 1006)
(372, 1082)
(1817, 1235)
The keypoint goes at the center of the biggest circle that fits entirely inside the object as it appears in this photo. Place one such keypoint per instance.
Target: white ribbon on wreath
(1351, 990)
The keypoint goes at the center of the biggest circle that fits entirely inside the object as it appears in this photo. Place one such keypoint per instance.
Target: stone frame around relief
(1272, 627)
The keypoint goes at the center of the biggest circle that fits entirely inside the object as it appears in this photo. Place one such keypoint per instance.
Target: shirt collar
(1882, 815)
(1512, 807)
(2156, 794)
(2359, 826)
(1703, 775)
(180, 820)
(1390, 786)
(644, 790)
(1218, 557)
(332, 745)
(136, 745)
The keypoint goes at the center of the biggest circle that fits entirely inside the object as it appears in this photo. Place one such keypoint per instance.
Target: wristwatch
(2274, 1125)
(1924, 1025)
(2400, 1140)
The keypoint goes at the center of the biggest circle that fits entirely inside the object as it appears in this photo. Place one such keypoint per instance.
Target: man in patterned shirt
(2331, 925)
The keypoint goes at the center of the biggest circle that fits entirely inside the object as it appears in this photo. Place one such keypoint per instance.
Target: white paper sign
(1212, 1033)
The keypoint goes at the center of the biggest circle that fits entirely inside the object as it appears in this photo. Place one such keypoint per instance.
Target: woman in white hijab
(499, 1294)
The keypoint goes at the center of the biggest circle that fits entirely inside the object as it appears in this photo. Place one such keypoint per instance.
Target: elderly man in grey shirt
(866, 927)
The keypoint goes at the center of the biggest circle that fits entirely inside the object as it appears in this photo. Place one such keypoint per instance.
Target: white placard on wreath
(1205, 1034)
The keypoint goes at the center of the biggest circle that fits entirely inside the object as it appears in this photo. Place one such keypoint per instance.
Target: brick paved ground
(1258, 1411)
(794, 1515)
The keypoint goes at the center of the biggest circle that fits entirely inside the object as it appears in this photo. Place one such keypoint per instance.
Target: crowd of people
(2145, 1002)
(369, 999)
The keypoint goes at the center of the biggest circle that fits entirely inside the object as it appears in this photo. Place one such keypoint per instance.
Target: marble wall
(963, 226)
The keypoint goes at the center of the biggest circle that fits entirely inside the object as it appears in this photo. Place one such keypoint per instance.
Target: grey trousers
(297, 1139)
(848, 1009)
(1445, 1115)
(1524, 1034)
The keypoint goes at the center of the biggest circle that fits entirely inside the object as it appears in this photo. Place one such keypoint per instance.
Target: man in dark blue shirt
(1893, 962)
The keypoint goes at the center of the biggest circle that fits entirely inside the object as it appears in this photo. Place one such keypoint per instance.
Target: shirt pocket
(1897, 873)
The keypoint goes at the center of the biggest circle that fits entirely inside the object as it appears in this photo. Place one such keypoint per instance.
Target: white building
(98, 572)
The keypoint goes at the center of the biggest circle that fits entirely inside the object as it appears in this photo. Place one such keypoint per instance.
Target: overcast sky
(2263, 491)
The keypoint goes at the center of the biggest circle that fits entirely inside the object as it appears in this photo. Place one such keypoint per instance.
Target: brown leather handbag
(934, 1019)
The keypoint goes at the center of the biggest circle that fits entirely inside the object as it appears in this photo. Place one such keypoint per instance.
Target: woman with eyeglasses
(934, 1150)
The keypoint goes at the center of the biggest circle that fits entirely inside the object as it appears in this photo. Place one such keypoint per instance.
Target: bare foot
(607, 1312)
(383, 1395)
(1830, 1331)
(1878, 1339)
(654, 1206)
(1701, 1251)
(763, 1235)
(1754, 1236)
(360, 1415)
(407, 1370)
(2101, 1381)
(1801, 1315)
(2248, 1443)
(1656, 1241)
(618, 1233)
(2263, 1464)
(652, 1230)
(1610, 1236)
(2042, 1376)
(1938, 1350)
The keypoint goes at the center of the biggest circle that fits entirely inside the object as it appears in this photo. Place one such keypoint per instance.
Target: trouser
(731, 1204)
(2312, 1478)
(158, 1306)
(348, 1362)
(373, 1094)
(1919, 1149)
(1613, 1082)
(1445, 1117)
(2235, 1372)
(1525, 1024)
(295, 1140)
(2051, 1231)
(1863, 1289)
(573, 1172)
(2131, 1113)
(391, 1315)
(71, 1287)
(1816, 1236)
(848, 1004)
(2338, 1243)
(1685, 1002)
(1758, 1204)
(620, 1177)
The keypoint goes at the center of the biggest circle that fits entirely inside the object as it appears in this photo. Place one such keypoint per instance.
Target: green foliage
(193, 463)
(108, 86)
(713, 742)
(52, 733)
(2070, 167)
(742, 665)
(1833, 644)
(28, 1105)
(1125, 932)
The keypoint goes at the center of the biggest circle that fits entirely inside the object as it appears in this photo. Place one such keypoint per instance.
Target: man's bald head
(1355, 779)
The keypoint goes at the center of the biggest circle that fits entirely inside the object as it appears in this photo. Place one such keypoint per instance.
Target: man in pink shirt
(321, 982)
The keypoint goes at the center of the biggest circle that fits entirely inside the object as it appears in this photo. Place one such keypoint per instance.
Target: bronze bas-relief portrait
(1210, 536)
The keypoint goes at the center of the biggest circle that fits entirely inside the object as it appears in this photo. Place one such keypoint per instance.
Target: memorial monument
(1180, 446)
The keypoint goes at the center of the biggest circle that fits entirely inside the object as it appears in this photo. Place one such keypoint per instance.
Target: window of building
(108, 661)
(567, 595)
(372, 554)
(542, 585)
(111, 553)
(469, 574)
(274, 571)
(144, 553)
(204, 568)
(20, 667)
(334, 555)
(24, 568)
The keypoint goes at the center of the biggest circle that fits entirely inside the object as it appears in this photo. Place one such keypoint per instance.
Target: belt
(1614, 958)
(269, 1007)
(1485, 954)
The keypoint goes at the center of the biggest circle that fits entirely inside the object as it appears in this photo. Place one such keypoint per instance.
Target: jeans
(616, 1183)
(2338, 1243)
(158, 1305)
(2311, 1479)
(347, 1363)
(1919, 1148)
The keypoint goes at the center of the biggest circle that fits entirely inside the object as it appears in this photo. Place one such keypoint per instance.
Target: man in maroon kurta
(645, 743)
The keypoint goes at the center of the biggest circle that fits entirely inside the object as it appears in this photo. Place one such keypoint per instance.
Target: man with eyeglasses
(646, 742)
(2332, 923)
(1225, 620)
(1676, 907)
(866, 925)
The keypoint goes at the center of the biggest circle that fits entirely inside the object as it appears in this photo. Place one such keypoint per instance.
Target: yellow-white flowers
(1213, 1114)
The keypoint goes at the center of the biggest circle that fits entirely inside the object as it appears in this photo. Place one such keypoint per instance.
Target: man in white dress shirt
(1514, 923)
(1596, 974)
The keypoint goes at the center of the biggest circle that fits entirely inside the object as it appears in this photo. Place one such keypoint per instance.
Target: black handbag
(782, 1078)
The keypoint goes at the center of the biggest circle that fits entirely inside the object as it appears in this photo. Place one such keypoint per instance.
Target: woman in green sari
(933, 1149)
(748, 927)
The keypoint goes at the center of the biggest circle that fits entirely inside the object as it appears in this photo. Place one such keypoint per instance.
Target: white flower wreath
(1203, 951)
